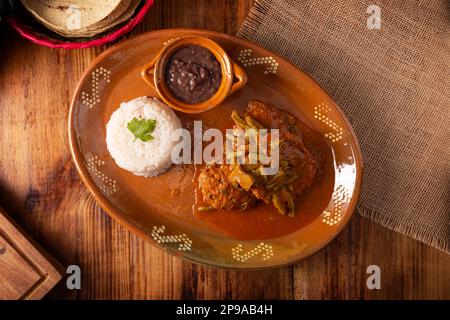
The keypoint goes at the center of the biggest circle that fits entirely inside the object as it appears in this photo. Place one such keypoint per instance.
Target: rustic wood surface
(40, 188)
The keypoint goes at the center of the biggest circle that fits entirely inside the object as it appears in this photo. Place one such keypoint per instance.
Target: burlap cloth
(394, 86)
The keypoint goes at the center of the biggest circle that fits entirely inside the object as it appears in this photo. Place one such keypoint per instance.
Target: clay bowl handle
(148, 73)
(241, 77)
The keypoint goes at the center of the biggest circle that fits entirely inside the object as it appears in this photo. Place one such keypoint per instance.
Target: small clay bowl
(233, 76)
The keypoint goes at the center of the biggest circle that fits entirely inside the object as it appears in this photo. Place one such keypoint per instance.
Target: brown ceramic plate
(160, 209)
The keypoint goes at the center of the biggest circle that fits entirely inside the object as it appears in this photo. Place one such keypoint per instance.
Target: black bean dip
(193, 74)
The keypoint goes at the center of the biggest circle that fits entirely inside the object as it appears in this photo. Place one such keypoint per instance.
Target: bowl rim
(131, 227)
(35, 37)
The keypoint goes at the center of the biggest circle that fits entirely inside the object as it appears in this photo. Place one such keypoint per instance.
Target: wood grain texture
(38, 183)
(26, 271)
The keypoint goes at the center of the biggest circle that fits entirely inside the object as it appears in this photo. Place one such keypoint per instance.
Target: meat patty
(293, 133)
(219, 193)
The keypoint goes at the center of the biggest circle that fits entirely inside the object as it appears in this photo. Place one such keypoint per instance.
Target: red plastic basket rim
(29, 34)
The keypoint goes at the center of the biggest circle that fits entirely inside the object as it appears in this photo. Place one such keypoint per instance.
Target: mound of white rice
(142, 158)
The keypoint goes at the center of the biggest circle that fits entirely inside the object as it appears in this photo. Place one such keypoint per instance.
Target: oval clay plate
(160, 209)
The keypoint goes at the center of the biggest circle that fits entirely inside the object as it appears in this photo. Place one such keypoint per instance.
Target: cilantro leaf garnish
(142, 128)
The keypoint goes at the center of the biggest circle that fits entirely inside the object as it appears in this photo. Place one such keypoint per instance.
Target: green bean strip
(278, 203)
(287, 197)
(238, 120)
(205, 208)
(252, 123)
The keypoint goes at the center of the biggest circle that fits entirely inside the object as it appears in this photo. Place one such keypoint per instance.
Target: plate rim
(114, 213)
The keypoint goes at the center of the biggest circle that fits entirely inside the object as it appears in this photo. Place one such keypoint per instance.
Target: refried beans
(193, 74)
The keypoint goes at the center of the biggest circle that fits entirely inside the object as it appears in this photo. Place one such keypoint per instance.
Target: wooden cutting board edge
(42, 262)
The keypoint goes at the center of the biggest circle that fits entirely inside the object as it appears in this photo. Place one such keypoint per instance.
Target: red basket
(45, 40)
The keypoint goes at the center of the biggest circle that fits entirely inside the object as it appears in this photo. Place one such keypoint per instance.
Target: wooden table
(40, 188)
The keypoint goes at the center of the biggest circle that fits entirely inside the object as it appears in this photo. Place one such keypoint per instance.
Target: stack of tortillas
(81, 18)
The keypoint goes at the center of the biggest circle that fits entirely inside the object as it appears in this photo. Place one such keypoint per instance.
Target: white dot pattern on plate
(263, 249)
(108, 186)
(320, 112)
(247, 59)
(184, 242)
(99, 74)
(340, 196)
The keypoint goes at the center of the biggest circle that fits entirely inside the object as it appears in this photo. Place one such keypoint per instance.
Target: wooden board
(26, 271)
(38, 182)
